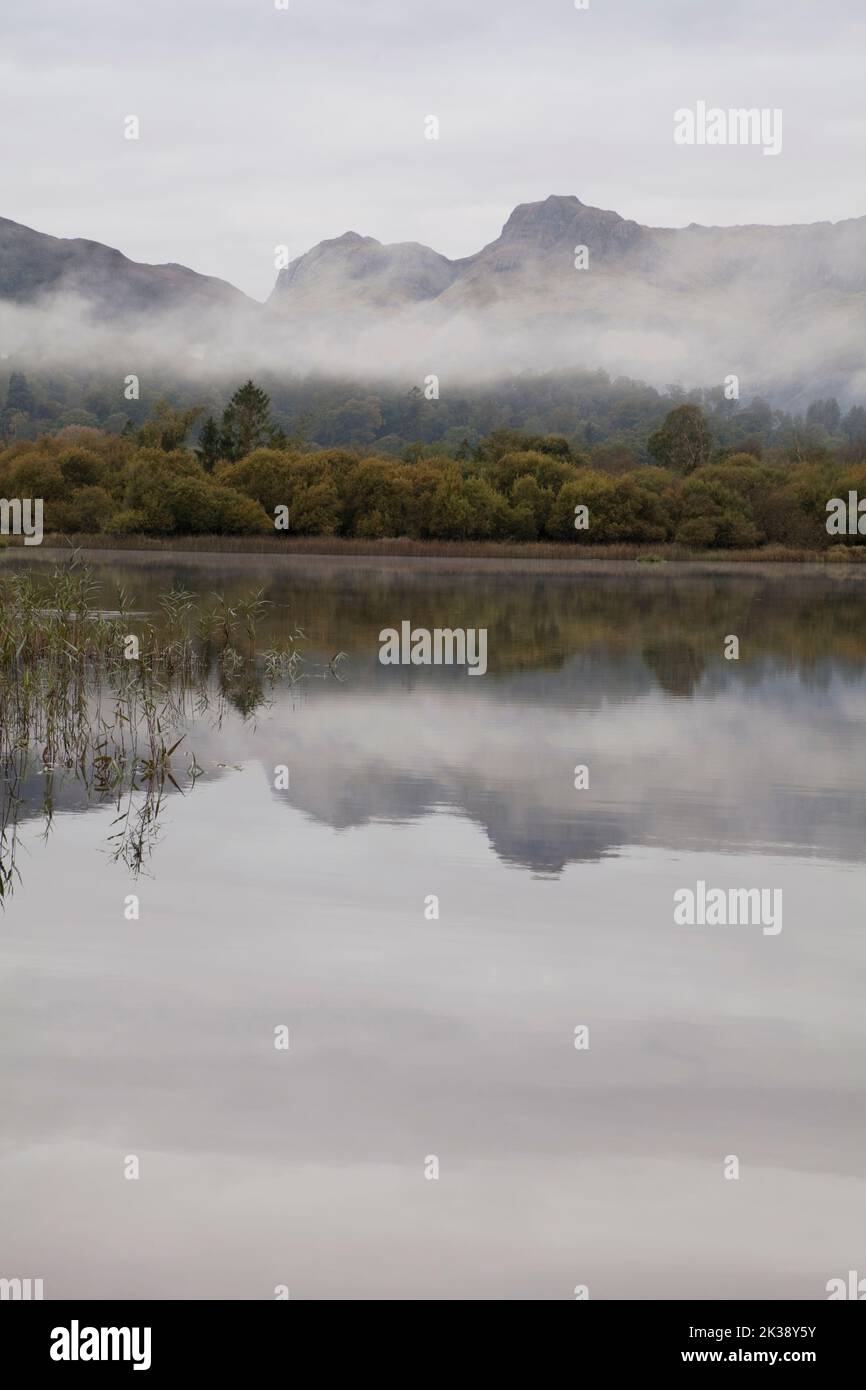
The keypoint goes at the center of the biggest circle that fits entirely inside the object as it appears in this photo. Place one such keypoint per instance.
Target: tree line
(610, 419)
(242, 475)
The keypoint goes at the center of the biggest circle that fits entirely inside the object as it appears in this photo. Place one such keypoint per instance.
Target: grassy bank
(565, 551)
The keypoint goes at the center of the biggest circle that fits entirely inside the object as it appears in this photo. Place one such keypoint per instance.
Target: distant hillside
(34, 266)
(782, 308)
(354, 271)
(530, 265)
(563, 287)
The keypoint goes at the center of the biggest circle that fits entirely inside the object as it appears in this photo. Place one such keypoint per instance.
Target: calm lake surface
(455, 1038)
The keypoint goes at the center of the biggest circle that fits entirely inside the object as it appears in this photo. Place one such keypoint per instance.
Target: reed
(74, 702)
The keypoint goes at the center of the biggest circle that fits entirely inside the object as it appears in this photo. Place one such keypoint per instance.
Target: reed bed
(576, 554)
(107, 696)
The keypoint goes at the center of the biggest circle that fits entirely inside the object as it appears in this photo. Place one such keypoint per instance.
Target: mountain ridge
(537, 245)
(563, 284)
(385, 274)
(35, 264)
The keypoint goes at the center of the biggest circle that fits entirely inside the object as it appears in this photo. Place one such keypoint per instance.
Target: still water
(412, 1037)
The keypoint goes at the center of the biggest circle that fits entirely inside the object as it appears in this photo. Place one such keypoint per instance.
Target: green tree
(208, 450)
(19, 396)
(316, 509)
(825, 413)
(80, 467)
(16, 413)
(87, 509)
(854, 424)
(246, 423)
(683, 443)
(167, 428)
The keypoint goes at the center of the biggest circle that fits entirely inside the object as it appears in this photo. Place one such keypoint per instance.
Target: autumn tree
(167, 428)
(683, 443)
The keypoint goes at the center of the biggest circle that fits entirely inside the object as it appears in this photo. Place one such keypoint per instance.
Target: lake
(302, 900)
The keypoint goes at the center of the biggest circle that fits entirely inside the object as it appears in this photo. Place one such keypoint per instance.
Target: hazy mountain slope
(781, 308)
(529, 267)
(531, 264)
(34, 266)
(353, 272)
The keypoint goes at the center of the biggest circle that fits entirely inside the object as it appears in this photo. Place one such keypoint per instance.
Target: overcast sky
(261, 126)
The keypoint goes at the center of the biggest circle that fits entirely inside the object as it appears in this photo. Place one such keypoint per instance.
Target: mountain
(355, 271)
(529, 267)
(34, 266)
(533, 258)
(564, 285)
(532, 263)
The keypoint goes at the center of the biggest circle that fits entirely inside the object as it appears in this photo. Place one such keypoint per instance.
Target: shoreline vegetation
(105, 698)
(560, 555)
(682, 494)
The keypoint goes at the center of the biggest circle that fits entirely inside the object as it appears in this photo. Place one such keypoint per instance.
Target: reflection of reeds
(74, 704)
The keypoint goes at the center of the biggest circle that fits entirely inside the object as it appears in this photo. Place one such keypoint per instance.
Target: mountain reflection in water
(261, 906)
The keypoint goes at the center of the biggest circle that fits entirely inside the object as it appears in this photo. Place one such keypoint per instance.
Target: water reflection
(96, 702)
(625, 674)
(304, 907)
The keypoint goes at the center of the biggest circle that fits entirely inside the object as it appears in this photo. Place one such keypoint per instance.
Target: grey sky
(261, 127)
